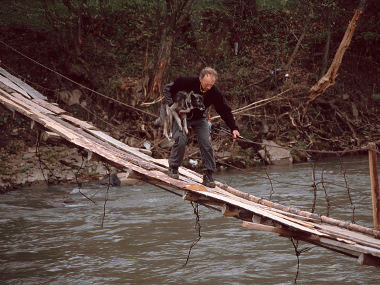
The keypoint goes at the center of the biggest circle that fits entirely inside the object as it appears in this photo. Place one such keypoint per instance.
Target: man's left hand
(236, 134)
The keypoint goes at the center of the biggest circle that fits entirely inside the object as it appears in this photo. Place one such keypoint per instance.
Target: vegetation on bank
(127, 50)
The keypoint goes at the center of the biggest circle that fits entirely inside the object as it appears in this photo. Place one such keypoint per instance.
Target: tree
(329, 78)
(175, 13)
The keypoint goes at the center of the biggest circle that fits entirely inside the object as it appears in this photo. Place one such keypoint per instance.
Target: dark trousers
(202, 131)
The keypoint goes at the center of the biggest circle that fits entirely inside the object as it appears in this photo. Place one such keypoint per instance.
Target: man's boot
(173, 172)
(208, 181)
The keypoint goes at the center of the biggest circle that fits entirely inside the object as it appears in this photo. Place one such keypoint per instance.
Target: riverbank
(26, 161)
(50, 165)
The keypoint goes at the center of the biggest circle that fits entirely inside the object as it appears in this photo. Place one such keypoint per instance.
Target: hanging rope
(197, 227)
(77, 83)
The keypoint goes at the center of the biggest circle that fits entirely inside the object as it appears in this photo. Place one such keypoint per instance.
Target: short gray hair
(208, 70)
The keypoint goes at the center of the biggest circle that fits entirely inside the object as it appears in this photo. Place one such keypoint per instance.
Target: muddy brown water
(53, 235)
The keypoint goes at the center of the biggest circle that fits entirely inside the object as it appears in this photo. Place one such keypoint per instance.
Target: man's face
(207, 81)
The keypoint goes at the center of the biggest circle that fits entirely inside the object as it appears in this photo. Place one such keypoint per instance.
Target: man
(204, 87)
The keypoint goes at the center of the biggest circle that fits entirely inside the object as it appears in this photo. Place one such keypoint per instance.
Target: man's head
(207, 77)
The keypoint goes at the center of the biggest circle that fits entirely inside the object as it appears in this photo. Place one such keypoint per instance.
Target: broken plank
(13, 106)
(30, 103)
(49, 106)
(30, 90)
(50, 137)
(77, 122)
(6, 88)
(13, 86)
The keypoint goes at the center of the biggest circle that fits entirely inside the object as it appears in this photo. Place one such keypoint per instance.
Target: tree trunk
(163, 60)
(329, 78)
(177, 11)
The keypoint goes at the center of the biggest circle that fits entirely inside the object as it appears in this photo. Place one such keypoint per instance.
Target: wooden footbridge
(256, 213)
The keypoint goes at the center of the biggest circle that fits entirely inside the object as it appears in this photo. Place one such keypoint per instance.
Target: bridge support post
(372, 157)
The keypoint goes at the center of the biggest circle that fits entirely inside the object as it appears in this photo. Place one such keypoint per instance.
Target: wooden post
(372, 157)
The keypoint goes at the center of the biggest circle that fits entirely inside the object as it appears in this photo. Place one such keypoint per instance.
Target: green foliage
(118, 38)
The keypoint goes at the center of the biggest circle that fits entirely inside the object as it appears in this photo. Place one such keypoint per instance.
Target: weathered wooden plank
(77, 122)
(119, 144)
(30, 103)
(372, 158)
(340, 233)
(50, 137)
(182, 170)
(162, 162)
(265, 228)
(353, 247)
(6, 88)
(290, 209)
(367, 259)
(120, 154)
(16, 88)
(25, 103)
(30, 90)
(49, 106)
(259, 211)
(13, 106)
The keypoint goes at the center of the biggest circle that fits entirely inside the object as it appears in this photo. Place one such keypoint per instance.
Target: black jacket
(211, 97)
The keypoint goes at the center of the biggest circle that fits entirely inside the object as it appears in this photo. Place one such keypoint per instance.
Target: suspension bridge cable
(77, 83)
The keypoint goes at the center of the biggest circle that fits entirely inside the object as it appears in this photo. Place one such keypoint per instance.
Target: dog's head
(197, 101)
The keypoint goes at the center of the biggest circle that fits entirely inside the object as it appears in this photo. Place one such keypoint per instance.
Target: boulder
(70, 97)
(128, 178)
(273, 153)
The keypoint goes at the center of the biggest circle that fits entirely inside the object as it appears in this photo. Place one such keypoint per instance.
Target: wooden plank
(25, 102)
(265, 228)
(258, 211)
(16, 88)
(119, 144)
(182, 170)
(12, 106)
(22, 101)
(344, 234)
(49, 106)
(50, 137)
(162, 162)
(120, 154)
(6, 88)
(372, 157)
(30, 90)
(77, 122)
(367, 259)
(357, 248)
(298, 217)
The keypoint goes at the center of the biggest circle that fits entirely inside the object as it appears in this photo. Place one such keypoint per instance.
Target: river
(54, 235)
